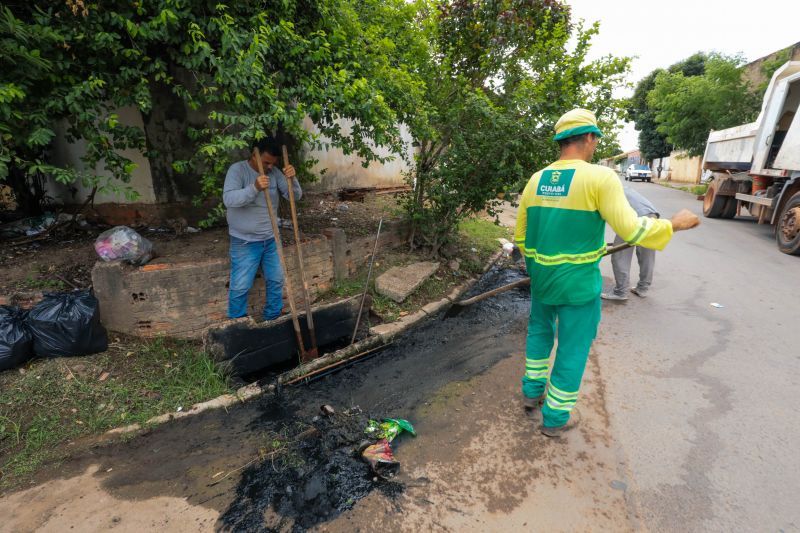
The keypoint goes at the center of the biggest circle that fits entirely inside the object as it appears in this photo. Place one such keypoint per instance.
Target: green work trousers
(577, 328)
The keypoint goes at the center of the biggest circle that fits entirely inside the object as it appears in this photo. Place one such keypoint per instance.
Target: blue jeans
(246, 257)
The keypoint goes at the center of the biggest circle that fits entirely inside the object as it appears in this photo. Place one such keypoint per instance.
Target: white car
(638, 172)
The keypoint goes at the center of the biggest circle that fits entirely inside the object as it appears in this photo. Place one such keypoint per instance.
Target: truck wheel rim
(790, 224)
(708, 199)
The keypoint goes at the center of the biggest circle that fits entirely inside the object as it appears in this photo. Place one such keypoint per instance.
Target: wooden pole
(312, 353)
(279, 246)
(366, 285)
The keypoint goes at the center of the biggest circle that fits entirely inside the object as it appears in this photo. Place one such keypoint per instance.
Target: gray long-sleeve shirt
(247, 206)
(639, 203)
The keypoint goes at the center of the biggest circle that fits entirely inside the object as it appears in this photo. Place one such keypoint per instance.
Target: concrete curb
(381, 334)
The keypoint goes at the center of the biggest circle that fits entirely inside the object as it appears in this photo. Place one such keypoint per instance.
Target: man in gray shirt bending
(253, 244)
(621, 261)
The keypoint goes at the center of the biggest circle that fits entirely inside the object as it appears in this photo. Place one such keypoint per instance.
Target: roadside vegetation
(48, 405)
(675, 108)
(697, 190)
(476, 241)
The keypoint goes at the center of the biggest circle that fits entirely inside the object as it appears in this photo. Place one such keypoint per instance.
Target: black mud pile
(308, 471)
(316, 478)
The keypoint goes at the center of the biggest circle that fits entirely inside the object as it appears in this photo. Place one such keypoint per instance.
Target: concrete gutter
(379, 335)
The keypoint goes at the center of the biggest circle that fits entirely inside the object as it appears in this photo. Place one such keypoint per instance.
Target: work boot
(641, 293)
(613, 296)
(574, 419)
(532, 404)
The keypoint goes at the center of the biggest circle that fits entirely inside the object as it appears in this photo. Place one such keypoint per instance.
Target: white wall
(69, 154)
(684, 169)
(342, 170)
(665, 167)
(345, 171)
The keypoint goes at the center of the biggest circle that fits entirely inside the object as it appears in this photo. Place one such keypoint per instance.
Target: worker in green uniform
(561, 233)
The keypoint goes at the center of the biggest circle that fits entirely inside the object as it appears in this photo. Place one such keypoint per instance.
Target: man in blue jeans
(253, 244)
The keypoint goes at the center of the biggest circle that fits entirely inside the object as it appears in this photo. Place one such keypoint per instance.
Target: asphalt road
(701, 399)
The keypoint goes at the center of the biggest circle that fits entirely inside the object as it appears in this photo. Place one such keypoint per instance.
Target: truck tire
(787, 231)
(714, 204)
(729, 211)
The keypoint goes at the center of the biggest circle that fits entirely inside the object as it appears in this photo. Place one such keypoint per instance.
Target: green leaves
(40, 137)
(687, 108)
(221, 76)
(497, 76)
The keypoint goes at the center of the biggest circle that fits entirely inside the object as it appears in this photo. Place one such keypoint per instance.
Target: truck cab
(756, 166)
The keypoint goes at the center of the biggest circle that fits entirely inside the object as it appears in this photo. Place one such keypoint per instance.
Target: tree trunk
(28, 191)
(166, 127)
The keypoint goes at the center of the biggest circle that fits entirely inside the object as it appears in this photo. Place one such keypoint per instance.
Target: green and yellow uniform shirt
(561, 229)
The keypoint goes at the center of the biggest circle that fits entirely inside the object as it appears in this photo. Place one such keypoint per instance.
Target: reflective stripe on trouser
(577, 328)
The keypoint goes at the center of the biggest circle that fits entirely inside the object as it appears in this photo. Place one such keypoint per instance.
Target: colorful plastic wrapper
(123, 243)
(380, 457)
(389, 428)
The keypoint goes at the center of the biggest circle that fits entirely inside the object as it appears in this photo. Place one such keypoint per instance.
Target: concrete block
(399, 282)
(409, 320)
(387, 331)
(338, 241)
(434, 307)
(456, 293)
(184, 299)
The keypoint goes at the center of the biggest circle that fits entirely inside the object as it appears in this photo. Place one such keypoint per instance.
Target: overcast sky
(660, 33)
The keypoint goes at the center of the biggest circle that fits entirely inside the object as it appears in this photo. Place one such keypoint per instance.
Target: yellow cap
(576, 122)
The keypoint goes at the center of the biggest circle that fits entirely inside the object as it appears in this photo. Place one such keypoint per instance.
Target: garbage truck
(755, 168)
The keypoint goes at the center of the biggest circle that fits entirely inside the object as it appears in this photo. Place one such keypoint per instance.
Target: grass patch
(32, 283)
(482, 235)
(697, 190)
(52, 402)
(475, 243)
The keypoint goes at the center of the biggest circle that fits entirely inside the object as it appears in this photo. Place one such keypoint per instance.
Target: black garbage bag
(67, 324)
(16, 341)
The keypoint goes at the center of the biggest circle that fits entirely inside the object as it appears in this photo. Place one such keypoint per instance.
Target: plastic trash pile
(379, 455)
(28, 227)
(124, 244)
(61, 325)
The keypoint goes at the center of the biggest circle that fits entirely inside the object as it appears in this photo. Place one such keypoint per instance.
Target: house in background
(622, 161)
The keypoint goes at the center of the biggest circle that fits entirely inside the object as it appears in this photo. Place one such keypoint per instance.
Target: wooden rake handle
(279, 247)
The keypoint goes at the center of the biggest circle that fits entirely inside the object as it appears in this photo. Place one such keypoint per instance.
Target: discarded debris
(389, 428)
(717, 305)
(123, 243)
(67, 324)
(380, 458)
(29, 227)
(16, 341)
(327, 410)
(305, 480)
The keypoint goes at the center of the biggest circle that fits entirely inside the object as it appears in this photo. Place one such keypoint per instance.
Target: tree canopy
(499, 76)
(223, 73)
(479, 85)
(652, 143)
(687, 108)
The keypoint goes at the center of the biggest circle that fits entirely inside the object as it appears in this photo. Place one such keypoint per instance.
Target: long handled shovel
(279, 246)
(312, 352)
(457, 307)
